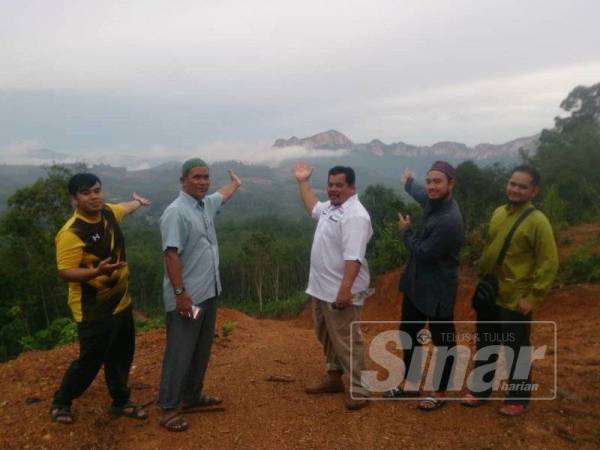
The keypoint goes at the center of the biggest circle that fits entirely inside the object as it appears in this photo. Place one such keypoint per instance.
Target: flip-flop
(511, 409)
(472, 401)
(61, 414)
(434, 402)
(174, 422)
(129, 409)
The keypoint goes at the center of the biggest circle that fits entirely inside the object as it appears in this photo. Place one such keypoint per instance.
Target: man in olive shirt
(526, 275)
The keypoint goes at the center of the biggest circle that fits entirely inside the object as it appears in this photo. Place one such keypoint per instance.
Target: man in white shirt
(338, 279)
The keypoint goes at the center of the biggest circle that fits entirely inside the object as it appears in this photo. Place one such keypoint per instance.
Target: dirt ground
(259, 413)
(573, 237)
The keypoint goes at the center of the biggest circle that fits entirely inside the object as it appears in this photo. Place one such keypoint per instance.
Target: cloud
(129, 76)
(264, 153)
(501, 108)
(33, 152)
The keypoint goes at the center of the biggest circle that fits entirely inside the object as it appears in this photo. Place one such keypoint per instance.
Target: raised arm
(302, 173)
(413, 189)
(137, 202)
(228, 190)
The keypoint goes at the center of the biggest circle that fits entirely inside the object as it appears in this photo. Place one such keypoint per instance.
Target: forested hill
(265, 190)
(264, 236)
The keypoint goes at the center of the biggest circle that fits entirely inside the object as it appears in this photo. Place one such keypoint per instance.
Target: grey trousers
(334, 331)
(187, 352)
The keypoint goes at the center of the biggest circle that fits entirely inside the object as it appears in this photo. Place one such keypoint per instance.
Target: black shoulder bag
(486, 291)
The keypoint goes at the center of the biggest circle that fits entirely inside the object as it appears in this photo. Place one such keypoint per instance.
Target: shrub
(227, 328)
(61, 331)
(583, 265)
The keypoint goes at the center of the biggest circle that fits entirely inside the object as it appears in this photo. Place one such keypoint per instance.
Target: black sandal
(61, 414)
(203, 402)
(129, 409)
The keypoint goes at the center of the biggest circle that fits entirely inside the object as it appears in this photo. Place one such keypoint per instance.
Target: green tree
(478, 191)
(569, 155)
(554, 207)
(145, 259)
(583, 102)
(386, 250)
(30, 291)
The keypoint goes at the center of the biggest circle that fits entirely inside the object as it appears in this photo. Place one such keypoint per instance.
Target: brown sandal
(431, 403)
(174, 422)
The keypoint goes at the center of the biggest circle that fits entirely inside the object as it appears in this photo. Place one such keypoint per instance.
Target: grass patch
(289, 307)
(150, 323)
(227, 328)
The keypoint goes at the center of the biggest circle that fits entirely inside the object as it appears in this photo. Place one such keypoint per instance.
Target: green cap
(190, 164)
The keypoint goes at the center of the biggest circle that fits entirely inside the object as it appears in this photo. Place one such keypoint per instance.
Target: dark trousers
(109, 341)
(442, 335)
(500, 326)
(189, 342)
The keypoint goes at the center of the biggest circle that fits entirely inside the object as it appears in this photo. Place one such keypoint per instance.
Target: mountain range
(334, 140)
(272, 189)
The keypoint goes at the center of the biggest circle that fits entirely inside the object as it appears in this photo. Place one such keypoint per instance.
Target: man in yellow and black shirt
(90, 254)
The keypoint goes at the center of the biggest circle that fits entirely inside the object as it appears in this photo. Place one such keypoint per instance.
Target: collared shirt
(342, 235)
(531, 262)
(188, 226)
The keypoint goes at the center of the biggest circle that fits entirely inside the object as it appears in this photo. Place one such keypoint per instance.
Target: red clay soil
(574, 237)
(264, 414)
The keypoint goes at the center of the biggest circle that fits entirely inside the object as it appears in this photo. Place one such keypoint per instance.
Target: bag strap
(511, 233)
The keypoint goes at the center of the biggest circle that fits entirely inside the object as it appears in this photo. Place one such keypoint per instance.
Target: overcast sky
(154, 78)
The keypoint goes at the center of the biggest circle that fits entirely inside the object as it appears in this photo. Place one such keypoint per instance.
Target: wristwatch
(179, 290)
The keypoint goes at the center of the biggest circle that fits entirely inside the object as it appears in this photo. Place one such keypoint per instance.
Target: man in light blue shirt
(190, 289)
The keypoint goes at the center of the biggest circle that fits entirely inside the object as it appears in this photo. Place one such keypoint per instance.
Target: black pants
(442, 335)
(109, 341)
(500, 326)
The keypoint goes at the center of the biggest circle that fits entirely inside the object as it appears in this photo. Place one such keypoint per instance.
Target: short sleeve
(69, 250)
(117, 210)
(356, 232)
(213, 202)
(318, 209)
(173, 230)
